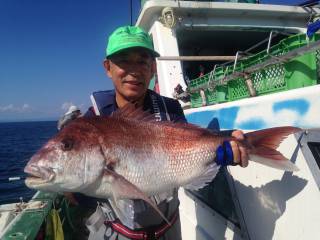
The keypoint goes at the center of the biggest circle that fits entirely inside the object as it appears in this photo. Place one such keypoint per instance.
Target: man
(180, 94)
(130, 64)
(73, 113)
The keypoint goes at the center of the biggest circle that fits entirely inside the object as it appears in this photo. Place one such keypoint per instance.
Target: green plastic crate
(221, 93)
(237, 89)
(299, 72)
(269, 80)
(211, 96)
(196, 100)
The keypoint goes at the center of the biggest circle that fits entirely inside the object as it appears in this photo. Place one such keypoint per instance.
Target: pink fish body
(127, 155)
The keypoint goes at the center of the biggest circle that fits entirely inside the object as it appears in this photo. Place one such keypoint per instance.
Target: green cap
(129, 37)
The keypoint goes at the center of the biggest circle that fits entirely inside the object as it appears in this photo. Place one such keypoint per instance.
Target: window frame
(312, 135)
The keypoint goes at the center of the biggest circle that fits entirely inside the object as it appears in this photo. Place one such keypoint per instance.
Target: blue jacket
(164, 108)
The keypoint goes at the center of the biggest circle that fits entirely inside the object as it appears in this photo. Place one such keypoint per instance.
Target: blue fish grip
(224, 154)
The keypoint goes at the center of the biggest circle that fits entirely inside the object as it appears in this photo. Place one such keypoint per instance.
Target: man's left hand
(240, 154)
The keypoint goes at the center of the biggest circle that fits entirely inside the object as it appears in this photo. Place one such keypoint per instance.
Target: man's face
(131, 71)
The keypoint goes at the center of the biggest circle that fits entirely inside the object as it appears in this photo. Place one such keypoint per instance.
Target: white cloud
(26, 106)
(16, 109)
(7, 108)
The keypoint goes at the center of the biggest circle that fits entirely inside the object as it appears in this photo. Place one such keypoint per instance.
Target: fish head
(70, 161)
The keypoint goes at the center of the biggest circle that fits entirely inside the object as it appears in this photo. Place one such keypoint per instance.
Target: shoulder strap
(101, 99)
(159, 107)
(165, 109)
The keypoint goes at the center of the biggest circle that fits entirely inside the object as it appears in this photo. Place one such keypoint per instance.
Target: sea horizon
(27, 120)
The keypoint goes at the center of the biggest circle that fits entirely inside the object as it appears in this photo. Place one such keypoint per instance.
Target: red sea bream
(129, 155)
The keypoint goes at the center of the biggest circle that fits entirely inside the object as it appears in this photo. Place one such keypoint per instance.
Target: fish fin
(110, 159)
(133, 113)
(130, 111)
(185, 125)
(205, 178)
(263, 143)
(122, 188)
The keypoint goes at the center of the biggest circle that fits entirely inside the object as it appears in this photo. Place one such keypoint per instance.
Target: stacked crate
(298, 72)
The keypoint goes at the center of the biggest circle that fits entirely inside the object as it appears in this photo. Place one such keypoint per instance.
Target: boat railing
(32, 217)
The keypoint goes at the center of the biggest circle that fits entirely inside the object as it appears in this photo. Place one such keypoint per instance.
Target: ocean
(18, 142)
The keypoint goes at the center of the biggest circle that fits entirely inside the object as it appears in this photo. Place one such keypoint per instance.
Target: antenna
(130, 12)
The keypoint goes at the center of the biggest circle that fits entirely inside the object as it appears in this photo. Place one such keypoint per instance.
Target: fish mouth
(38, 175)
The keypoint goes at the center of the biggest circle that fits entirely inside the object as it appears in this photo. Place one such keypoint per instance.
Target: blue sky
(51, 53)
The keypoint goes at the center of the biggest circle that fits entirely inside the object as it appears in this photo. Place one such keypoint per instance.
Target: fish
(130, 155)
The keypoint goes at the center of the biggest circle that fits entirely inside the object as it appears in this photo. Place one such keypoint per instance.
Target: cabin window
(315, 150)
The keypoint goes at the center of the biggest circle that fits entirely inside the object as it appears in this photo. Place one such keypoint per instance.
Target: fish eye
(67, 144)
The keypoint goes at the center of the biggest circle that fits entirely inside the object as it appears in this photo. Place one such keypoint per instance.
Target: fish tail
(264, 143)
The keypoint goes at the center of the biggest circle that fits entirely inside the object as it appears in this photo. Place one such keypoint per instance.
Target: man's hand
(240, 154)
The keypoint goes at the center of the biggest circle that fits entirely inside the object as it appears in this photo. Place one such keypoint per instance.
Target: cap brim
(153, 52)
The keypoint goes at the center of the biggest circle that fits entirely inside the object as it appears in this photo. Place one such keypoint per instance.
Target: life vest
(132, 215)
(163, 108)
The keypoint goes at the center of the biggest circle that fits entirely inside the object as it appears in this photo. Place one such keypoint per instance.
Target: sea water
(18, 142)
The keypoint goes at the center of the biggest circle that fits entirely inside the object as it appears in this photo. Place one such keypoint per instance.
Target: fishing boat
(240, 66)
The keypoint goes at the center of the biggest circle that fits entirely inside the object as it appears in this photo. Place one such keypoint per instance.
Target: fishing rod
(13, 179)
